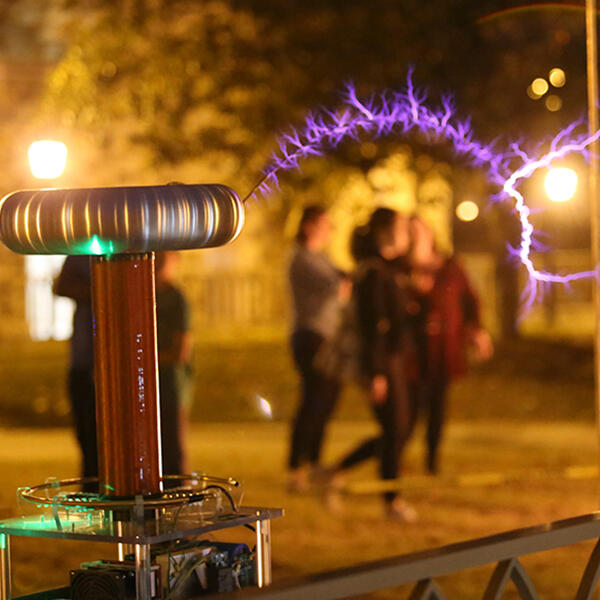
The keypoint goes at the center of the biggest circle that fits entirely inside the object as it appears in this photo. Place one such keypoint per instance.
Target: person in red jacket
(449, 325)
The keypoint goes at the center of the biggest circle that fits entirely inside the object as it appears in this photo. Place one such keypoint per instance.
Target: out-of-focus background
(152, 91)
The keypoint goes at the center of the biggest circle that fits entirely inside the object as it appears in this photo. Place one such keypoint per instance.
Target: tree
(196, 90)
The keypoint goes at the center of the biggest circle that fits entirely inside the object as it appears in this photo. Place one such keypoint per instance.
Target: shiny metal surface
(143, 576)
(264, 575)
(174, 525)
(106, 221)
(201, 488)
(5, 575)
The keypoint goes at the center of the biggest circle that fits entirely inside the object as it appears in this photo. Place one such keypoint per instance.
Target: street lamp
(560, 184)
(467, 211)
(47, 315)
(47, 159)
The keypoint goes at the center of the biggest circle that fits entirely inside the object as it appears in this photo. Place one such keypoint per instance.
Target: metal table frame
(139, 538)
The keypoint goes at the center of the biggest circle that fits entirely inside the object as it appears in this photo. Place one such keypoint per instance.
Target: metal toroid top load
(122, 228)
(125, 220)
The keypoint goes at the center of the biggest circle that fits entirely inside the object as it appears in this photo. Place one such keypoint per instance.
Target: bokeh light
(368, 149)
(467, 211)
(562, 37)
(553, 103)
(539, 86)
(47, 159)
(264, 406)
(557, 77)
(560, 184)
(532, 94)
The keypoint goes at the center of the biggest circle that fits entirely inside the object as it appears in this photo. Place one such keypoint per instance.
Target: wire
(179, 567)
(235, 571)
(227, 495)
(171, 548)
(256, 186)
(183, 578)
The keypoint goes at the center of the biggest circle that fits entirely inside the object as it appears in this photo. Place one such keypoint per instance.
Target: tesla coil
(159, 530)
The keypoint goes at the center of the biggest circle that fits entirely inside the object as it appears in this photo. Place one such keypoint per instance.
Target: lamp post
(593, 123)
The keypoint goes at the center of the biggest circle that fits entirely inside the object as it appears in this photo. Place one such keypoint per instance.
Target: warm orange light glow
(47, 159)
(553, 103)
(557, 77)
(539, 86)
(467, 211)
(532, 94)
(560, 184)
(368, 149)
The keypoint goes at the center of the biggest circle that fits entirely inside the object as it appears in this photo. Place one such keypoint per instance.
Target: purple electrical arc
(400, 112)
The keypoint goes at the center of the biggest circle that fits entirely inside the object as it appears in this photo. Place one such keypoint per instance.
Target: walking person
(382, 301)
(318, 292)
(74, 281)
(450, 324)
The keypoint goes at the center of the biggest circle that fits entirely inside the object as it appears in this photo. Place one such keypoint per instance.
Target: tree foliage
(181, 86)
(198, 90)
(185, 78)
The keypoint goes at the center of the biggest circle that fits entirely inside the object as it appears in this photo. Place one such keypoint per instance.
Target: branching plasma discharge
(401, 112)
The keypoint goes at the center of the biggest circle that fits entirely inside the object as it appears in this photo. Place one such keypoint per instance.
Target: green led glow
(95, 247)
(98, 247)
(29, 524)
(3, 541)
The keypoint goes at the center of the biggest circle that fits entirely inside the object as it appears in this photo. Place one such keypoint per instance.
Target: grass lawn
(528, 379)
(310, 539)
(527, 413)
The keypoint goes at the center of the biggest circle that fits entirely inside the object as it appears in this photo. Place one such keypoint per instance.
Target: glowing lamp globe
(467, 211)
(47, 159)
(560, 184)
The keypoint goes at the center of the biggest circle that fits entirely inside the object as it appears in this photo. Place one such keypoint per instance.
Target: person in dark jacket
(174, 358)
(382, 299)
(451, 324)
(74, 281)
(174, 349)
(318, 290)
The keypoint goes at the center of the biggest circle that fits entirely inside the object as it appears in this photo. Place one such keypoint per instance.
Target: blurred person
(74, 281)
(318, 290)
(174, 357)
(450, 323)
(382, 303)
(174, 363)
